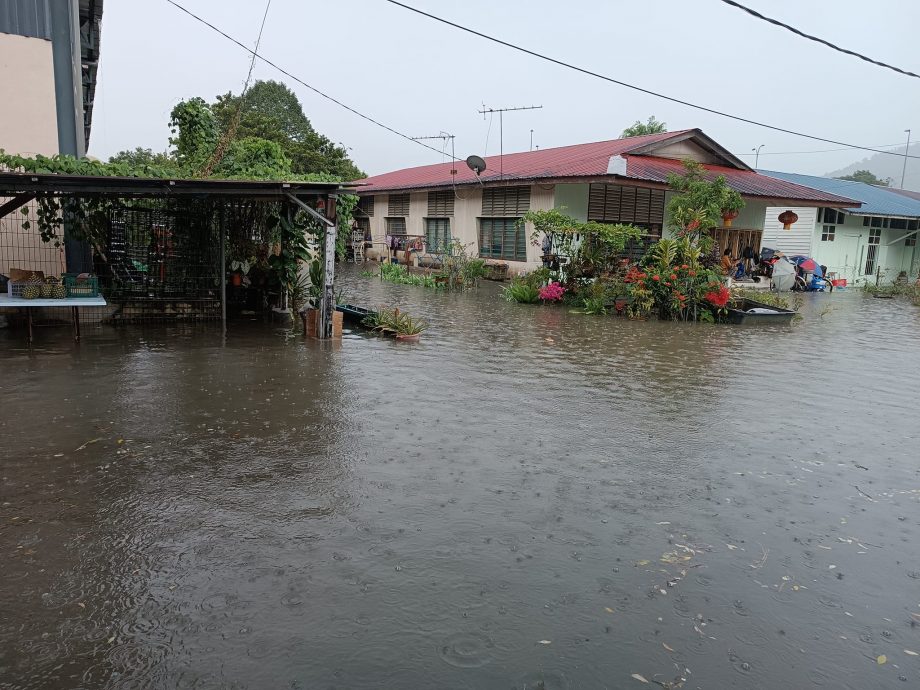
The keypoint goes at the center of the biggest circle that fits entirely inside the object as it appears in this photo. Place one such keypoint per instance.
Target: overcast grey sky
(421, 77)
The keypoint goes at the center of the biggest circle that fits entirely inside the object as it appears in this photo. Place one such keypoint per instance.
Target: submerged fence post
(223, 271)
(327, 298)
(328, 305)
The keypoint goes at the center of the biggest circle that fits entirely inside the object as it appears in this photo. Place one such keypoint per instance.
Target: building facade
(49, 54)
(875, 243)
(617, 181)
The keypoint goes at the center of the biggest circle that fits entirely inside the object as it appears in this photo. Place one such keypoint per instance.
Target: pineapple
(54, 289)
(32, 289)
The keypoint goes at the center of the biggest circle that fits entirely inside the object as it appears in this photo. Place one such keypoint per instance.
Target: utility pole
(501, 143)
(904, 167)
(757, 155)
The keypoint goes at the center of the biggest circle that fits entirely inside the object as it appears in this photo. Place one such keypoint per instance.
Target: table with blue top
(73, 302)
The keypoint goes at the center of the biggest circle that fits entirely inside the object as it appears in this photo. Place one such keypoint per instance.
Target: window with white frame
(910, 240)
(875, 238)
(830, 216)
(828, 232)
(502, 238)
(396, 226)
(437, 234)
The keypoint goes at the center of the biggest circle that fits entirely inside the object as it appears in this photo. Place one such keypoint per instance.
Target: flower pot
(414, 338)
(728, 217)
(236, 279)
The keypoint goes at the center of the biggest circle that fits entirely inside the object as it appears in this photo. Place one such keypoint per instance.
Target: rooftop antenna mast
(444, 137)
(501, 143)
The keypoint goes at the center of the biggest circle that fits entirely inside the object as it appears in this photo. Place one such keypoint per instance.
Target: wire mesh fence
(156, 258)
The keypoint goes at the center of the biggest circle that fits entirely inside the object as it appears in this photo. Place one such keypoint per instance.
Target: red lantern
(728, 216)
(787, 218)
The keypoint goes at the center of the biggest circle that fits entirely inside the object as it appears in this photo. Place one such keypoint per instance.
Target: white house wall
(464, 223)
(797, 240)
(846, 255)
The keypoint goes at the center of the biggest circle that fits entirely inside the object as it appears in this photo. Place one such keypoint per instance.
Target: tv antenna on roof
(444, 137)
(501, 111)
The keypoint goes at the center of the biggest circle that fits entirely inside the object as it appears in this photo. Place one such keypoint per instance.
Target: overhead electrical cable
(816, 39)
(299, 80)
(640, 89)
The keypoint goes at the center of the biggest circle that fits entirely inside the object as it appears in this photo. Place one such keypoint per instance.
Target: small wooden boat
(749, 312)
(354, 314)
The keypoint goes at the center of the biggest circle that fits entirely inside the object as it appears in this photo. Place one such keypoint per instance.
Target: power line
(230, 134)
(283, 71)
(789, 153)
(776, 22)
(633, 86)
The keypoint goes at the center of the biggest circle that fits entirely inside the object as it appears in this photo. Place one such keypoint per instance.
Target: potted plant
(731, 203)
(240, 268)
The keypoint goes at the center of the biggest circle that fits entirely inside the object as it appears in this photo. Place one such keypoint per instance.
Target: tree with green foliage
(867, 177)
(638, 129)
(699, 203)
(271, 111)
(141, 158)
(194, 132)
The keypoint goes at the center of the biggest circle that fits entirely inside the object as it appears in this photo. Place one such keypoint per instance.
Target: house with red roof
(616, 181)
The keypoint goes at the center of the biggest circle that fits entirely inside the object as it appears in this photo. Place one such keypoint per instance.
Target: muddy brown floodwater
(528, 498)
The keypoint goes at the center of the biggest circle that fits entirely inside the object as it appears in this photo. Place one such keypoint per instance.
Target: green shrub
(521, 292)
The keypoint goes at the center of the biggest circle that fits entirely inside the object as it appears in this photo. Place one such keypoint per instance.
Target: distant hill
(882, 165)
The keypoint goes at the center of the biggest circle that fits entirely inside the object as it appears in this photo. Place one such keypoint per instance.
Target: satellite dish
(476, 164)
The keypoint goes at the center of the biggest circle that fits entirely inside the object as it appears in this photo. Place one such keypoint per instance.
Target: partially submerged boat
(750, 312)
(353, 314)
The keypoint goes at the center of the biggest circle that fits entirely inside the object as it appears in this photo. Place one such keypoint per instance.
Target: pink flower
(552, 292)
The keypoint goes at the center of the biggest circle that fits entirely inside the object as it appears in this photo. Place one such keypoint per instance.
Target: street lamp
(757, 155)
(904, 167)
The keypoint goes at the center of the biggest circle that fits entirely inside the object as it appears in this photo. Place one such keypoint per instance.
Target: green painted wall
(574, 197)
(846, 255)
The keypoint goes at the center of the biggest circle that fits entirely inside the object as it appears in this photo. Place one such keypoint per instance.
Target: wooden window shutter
(610, 203)
(366, 206)
(441, 204)
(656, 206)
(505, 201)
(398, 205)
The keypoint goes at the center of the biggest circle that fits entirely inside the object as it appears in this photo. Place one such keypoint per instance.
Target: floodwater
(528, 498)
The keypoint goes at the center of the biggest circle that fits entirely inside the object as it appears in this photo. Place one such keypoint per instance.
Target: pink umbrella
(807, 265)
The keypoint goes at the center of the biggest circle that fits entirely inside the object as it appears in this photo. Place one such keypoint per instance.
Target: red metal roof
(578, 160)
(746, 182)
(592, 161)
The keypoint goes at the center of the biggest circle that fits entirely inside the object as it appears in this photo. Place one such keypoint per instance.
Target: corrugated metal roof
(746, 182)
(26, 18)
(908, 193)
(876, 201)
(594, 161)
(563, 161)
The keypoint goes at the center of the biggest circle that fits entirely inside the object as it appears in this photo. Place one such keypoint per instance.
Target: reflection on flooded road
(528, 498)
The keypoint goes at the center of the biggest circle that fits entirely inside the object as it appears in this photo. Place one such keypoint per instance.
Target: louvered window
(365, 206)
(398, 205)
(441, 203)
(396, 226)
(610, 203)
(505, 201)
(437, 234)
(502, 238)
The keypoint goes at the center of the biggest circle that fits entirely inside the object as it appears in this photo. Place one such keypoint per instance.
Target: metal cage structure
(158, 247)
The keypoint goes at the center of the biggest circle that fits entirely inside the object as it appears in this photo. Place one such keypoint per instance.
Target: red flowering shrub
(552, 292)
(718, 298)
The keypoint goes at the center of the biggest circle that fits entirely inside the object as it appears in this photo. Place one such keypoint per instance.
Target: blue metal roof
(876, 201)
